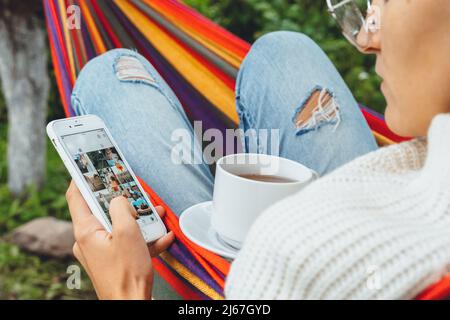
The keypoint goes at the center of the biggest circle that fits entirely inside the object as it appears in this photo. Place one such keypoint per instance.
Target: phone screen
(105, 172)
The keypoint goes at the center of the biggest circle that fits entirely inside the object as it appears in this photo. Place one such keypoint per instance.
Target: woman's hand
(119, 264)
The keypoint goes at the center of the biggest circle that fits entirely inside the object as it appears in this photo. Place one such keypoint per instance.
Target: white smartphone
(101, 172)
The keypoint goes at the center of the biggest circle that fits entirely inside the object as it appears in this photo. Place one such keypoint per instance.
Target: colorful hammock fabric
(200, 61)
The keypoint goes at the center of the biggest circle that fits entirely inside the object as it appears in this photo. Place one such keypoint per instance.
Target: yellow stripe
(190, 68)
(225, 54)
(190, 277)
(95, 34)
(63, 15)
(382, 140)
(232, 59)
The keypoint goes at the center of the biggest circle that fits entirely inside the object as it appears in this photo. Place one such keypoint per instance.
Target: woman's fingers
(84, 223)
(123, 217)
(161, 244)
(79, 210)
(161, 211)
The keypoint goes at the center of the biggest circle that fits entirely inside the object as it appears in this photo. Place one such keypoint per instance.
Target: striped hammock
(200, 61)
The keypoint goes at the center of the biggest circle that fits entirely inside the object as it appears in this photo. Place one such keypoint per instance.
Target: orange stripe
(204, 27)
(200, 34)
(202, 256)
(438, 291)
(92, 28)
(192, 278)
(178, 285)
(172, 223)
(60, 38)
(200, 77)
(57, 69)
(63, 15)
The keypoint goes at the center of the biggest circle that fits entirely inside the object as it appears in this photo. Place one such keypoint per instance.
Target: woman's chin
(395, 123)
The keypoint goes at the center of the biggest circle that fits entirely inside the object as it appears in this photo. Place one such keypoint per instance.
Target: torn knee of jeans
(129, 68)
(319, 109)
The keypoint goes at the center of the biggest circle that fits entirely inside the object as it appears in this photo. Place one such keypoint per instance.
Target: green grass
(26, 276)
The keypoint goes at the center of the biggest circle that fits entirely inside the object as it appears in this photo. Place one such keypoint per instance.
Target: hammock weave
(199, 60)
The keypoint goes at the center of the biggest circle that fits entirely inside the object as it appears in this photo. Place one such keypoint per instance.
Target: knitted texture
(376, 228)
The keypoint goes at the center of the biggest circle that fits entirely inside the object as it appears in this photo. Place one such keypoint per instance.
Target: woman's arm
(118, 263)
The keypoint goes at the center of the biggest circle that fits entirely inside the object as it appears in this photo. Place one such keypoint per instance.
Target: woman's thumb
(123, 217)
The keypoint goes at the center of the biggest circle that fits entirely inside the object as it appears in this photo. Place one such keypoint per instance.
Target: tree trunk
(25, 84)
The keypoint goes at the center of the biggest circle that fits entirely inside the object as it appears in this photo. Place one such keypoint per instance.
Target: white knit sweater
(376, 228)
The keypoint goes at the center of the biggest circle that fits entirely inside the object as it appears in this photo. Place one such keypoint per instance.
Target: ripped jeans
(283, 75)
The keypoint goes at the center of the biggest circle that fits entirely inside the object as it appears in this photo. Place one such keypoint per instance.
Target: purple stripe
(219, 273)
(176, 275)
(64, 73)
(186, 259)
(372, 112)
(196, 106)
(86, 39)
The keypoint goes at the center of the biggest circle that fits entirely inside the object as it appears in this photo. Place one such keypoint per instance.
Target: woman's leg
(279, 86)
(143, 113)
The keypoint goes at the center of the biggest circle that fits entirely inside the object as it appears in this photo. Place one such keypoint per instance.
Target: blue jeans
(276, 80)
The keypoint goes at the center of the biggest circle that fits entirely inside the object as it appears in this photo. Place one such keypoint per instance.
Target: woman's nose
(369, 42)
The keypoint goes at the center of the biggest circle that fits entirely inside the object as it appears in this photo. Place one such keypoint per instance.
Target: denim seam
(77, 105)
(243, 113)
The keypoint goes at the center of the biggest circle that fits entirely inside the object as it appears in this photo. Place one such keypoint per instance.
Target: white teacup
(245, 185)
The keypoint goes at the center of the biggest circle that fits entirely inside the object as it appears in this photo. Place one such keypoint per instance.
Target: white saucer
(195, 223)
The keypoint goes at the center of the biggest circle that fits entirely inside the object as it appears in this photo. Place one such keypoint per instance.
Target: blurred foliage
(250, 19)
(37, 203)
(25, 276)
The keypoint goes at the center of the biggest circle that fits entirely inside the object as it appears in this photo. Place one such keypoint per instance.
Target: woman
(376, 227)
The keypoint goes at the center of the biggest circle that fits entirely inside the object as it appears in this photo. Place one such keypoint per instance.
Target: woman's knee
(276, 61)
(101, 74)
(281, 42)
(273, 58)
(282, 48)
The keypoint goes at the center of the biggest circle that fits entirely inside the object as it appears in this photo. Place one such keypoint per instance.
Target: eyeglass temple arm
(332, 7)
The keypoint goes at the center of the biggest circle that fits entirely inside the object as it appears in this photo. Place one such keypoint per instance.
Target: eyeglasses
(357, 19)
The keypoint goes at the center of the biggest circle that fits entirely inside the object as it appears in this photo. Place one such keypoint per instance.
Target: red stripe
(205, 27)
(209, 25)
(227, 80)
(438, 291)
(379, 126)
(200, 254)
(76, 44)
(58, 75)
(115, 40)
(61, 42)
(181, 288)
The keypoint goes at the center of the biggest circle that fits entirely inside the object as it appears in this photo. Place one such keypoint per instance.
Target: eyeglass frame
(373, 26)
